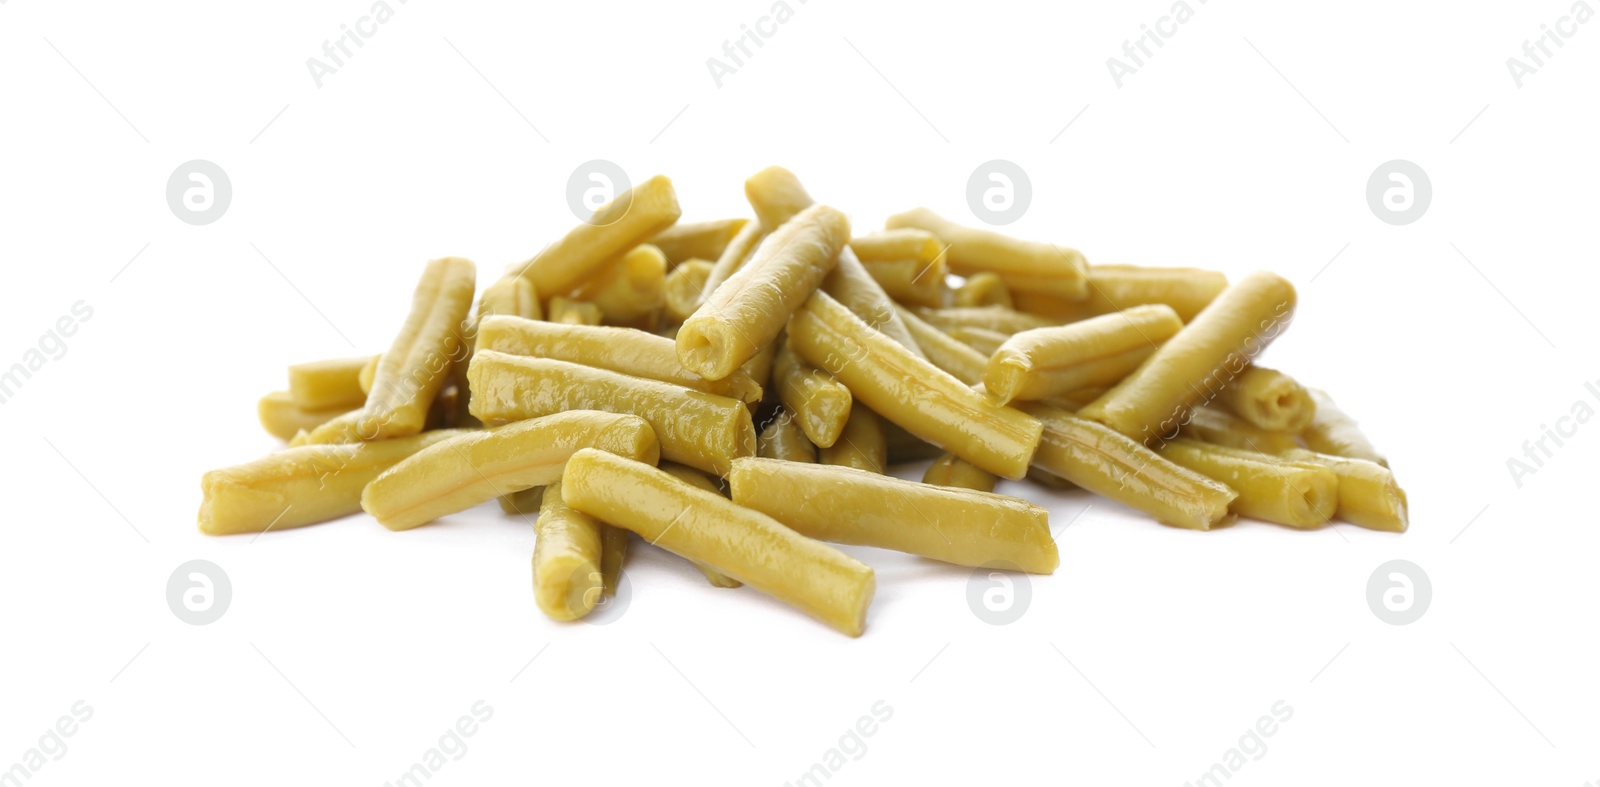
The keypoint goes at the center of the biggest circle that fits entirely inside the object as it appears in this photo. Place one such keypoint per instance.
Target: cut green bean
(629, 290)
(777, 196)
(683, 288)
(850, 506)
(1113, 288)
(567, 311)
(748, 310)
(702, 430)
(1271, 488)
(621, 350)
(941, 349)
(982, 340)
(567, 554)
(982, 289)
(300, 486)
(912, 392)
(819, 402)
(785, 439)
(477, 467)
(613, 553)
(417, 365)
(1115, 466)
(1097, 352)
(1269, 399)
(909, 281)
(696, 478)
(511, 295)
(1219, 427)
(952, 470)
(742, 543)
(1024, 265)
(919, 246)
(523, 503)
(1333, 432)
(861, 445)
(630, 219)
(328, 385)
(1368, 494)
(705, 240)
(1199, 360)
(283, 420)
(990, 318)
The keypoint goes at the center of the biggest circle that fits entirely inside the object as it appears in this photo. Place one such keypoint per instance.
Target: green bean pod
(1115, 466)
(1097, 352)
(1269, 399)
(567, 555)
(1199, 361)
(818, 401)
(702, 430)
(850, 506)
(1024, 265)
(980, 290)
(623, 350)
(704, 240)
(912, 392)
(950, 354)
(748, 311)
(694, 477)
(952, 470)
(628, 220)
(740, 542)
(300, 486)
(630, 290)
(1271, 488)
(861, 445)
(1219, 427)
(478, 466)
(1331, 431)
(328, 385)
(785, 439)
(1368, 494)
(990, 318)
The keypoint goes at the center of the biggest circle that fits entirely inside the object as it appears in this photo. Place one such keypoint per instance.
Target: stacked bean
(733, 390)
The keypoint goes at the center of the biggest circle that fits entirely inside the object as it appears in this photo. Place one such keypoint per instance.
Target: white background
(1246, 142)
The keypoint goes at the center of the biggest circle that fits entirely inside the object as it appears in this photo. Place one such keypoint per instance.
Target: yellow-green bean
(300, 486)
(1368, 494)
(1269, 399)
(982, 289)
(1219, 427)
(1097, 352)
(909, 281)
(990, 318)
(567, 555)
(945, 351)
(861, 445)
(952, 470)
(328, 385)
(683, 288)
(705, 240)
(748, 311)
(622, 350)
(702, 430)
(478, 466)
(629, 290)
(1333, 432)
(283, 420)
(742, 543)
(818, 401)
(1199, 360)
(694, 477)
(852, 506)
(1024, 265)
(785, 439)
(912, 392)
(621, 224)
(1271, 488)
(1113, 288)
(1113, 465)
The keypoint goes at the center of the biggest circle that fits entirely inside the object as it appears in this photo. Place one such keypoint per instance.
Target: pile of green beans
(735, 390)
